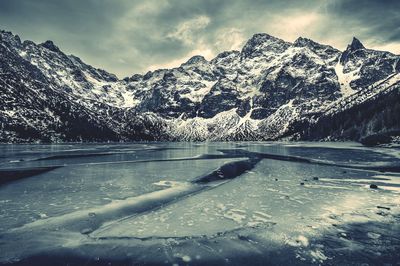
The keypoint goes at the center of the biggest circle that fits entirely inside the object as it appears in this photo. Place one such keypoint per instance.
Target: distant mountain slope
(34, 108)
(269, 90)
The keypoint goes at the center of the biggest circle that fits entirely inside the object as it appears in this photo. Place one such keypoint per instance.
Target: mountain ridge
(269, 90)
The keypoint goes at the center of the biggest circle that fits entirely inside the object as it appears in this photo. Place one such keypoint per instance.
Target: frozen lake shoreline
(199, 204)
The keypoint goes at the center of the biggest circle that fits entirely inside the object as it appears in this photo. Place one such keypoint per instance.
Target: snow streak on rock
(261, 92)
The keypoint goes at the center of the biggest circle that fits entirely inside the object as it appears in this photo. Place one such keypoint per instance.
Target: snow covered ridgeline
(257, 93)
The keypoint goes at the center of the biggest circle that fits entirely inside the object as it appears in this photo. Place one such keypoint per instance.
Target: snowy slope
(261, 92)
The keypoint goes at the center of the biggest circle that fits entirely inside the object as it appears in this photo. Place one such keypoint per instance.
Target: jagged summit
(195, 60)
(260, 39)
(10, 38)
(7, 33)
(306, 42)
(261, 42)
(50, 45)
(355, 45)
(302, 41)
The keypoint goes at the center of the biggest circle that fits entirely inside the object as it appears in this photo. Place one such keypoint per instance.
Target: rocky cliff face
(268, 90)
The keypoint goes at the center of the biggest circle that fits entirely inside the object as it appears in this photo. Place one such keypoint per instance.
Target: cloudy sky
(134, 36)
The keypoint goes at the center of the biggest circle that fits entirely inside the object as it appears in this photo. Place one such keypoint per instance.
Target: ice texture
(200, 203)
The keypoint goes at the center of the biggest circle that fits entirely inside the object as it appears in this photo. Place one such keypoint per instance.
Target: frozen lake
(236, 203)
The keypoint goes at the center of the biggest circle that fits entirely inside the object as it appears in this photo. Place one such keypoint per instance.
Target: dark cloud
(379, 20)
(128, 36)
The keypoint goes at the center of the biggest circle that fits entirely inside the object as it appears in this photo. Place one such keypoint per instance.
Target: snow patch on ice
(165, 183)
(318, 255)
(300, 241)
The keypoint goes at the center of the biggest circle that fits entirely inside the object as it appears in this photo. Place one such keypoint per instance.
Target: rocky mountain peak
(325, 52)
(51, 46)
(263, 42)
(134, 78)
(305, 42)
(301, 41)
(259, 38)
(7, 36)
(355, 45)
(194, 60)
(253, 94)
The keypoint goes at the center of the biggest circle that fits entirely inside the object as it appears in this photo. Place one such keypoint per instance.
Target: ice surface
(299, 203)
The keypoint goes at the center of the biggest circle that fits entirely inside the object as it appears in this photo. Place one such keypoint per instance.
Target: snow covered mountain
(269, 90)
